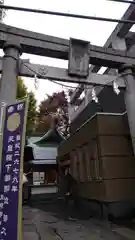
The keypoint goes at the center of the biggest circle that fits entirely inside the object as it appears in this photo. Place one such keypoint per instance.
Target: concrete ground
(50, 221)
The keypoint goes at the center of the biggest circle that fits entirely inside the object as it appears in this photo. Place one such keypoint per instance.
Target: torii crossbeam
(14, 41)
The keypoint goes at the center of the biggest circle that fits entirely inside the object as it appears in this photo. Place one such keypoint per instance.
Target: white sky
(94, 31)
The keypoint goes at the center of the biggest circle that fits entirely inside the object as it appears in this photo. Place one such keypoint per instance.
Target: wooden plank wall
(102, 159)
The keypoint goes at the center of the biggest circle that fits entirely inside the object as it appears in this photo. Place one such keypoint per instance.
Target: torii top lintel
(44, 45)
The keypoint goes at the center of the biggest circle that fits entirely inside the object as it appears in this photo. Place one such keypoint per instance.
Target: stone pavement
(47, 223)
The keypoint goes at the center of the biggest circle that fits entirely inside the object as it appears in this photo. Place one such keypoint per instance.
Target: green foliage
(22, 92)
(21, 89)
(32, 113)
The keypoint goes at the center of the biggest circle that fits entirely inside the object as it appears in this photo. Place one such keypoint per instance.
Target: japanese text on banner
(10, 170)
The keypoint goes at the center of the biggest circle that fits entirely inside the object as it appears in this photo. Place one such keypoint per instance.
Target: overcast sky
(94, 31)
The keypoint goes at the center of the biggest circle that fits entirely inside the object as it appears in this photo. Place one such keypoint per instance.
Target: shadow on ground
(61, 210)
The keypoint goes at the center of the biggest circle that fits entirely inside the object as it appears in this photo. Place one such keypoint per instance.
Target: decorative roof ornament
(94, 96)
(116, 88)
(36, 82)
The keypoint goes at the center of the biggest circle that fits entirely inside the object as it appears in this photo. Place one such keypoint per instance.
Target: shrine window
(88, 163)
(38, 178)
(85, 163)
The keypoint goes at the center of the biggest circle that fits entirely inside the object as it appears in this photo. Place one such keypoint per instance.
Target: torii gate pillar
(128, 71)
(8, 85)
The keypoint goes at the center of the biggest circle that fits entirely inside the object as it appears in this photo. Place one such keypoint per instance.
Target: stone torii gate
(121, 31)
(14, 41)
